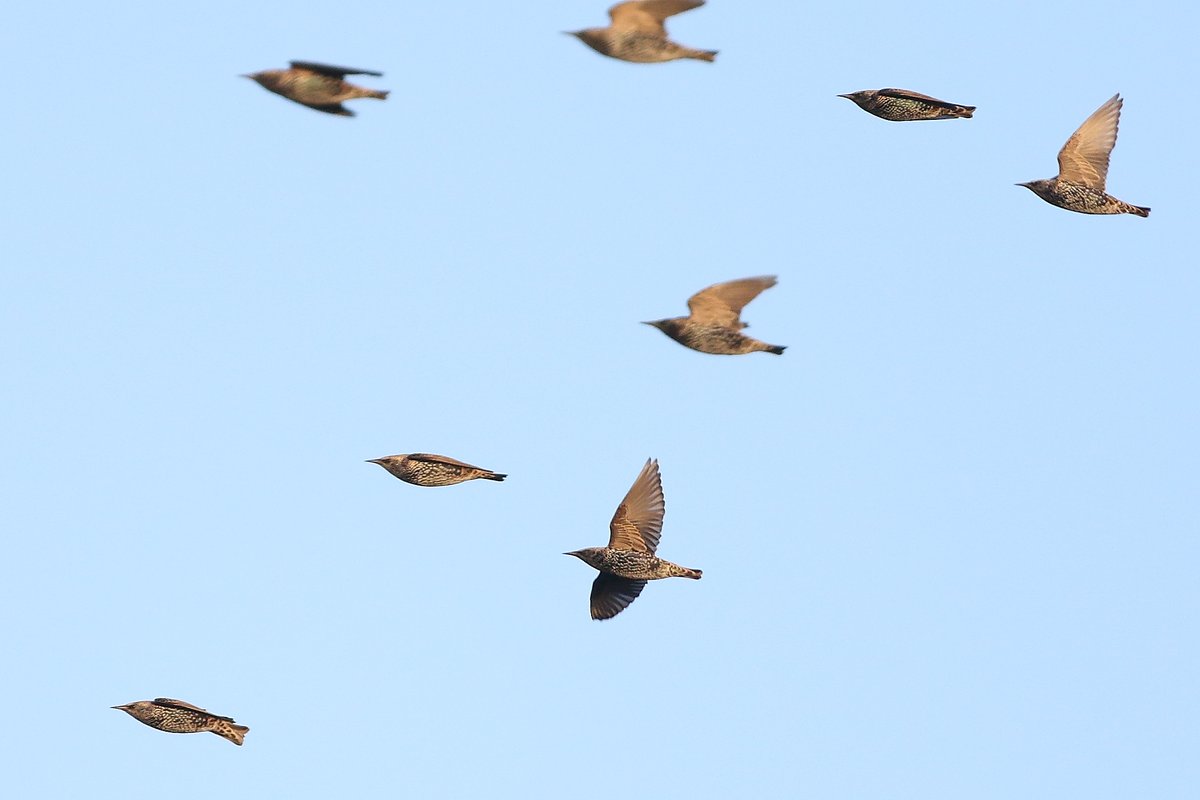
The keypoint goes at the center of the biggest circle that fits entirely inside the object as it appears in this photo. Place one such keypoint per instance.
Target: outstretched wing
(649, 16)
(332, 71)
(722, 303)
(637, 525)
(1084, 158)
(611, 594)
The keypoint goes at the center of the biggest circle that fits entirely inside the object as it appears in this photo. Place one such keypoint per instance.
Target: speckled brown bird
(638, 33)
(714, 326)
(176, 716)
(427, 469)
(628, 561)
(318, 86)
(1083, 168)
(901, 105)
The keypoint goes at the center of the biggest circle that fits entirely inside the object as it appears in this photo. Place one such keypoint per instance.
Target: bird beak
(374, 461)
(1026, 185)
(848, 97)
(119, 708)
(647, 323)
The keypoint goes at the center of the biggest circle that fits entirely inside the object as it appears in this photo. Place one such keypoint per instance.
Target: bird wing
(436, 459)
(331, 108)
(611, 594)
(1084, 158)
(167, 701)
(332, 71)
(637, 525)
(648, 16)
(905, 94)
(722, 303)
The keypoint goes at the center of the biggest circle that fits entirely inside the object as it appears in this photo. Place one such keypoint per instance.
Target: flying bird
(176, 716)
(319, 86)
(901, 105)
(714, 324)
(629, 561)
(638, 33)
(1083, 168)
(427, 469)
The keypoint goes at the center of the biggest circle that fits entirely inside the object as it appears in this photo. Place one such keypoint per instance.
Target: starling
(901, 105)
(1083, 168)
(638, 33)
(629, 560)
(426, 469)
(318, 86)
(176, 716)
(713, 326)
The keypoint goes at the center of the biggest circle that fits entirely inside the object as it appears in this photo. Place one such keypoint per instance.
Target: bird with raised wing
(638, 33)
(1083, 168)
(901, 105)
(629, 560)
(427, 469)
(714, 324)
(318, 86)
(176, 716)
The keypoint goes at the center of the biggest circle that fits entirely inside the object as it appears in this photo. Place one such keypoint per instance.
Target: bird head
(1040, 187)
(661, 324)
(587, 555)
(858, 97)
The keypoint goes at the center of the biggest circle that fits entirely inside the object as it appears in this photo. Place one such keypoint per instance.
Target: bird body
(902, 105)
(176, 716)
(629, 560)
(318, 86)
(638, 33)
(714, 324)
(1083, 168)
(427, 469)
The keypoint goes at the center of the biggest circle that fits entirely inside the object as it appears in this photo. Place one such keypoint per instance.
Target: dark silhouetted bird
(176, 716)
(629, 560)
(426, 469)
(1083, 168)
(318, 86)
(901, 105)
(638, 33)
(714, 325)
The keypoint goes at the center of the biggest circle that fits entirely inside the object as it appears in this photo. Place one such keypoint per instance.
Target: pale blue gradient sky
(949, 538)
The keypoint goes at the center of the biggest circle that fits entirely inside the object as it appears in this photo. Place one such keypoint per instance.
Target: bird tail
(704, 55)
(232, 732)
(694, 574)
(379, 94)
(1141, 211)
(777, 349)
(966, 112)
(494, 476)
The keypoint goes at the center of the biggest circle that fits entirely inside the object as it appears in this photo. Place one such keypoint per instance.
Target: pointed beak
(374, 461)
(648, 323)
(1026, 184)
(848, 97)
(119, 708)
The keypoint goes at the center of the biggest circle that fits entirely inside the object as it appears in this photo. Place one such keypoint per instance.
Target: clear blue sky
(949, 539)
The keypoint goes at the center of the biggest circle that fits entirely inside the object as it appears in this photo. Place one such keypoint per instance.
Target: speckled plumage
(714, 324)
(902, 105)
(319, 86)
(427, 469)
(629, 560)
(1083, 168)
(176, 716)
(638, 33)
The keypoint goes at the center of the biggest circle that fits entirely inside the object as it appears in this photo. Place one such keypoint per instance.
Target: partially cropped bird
(1083, 168)
(901, 105)
(638, 33)
(427, 469)
(176, 716)
(319, 86)
(714, 326)
(629, 561)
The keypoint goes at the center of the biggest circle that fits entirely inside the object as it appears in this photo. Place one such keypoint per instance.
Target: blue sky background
(948, 539)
